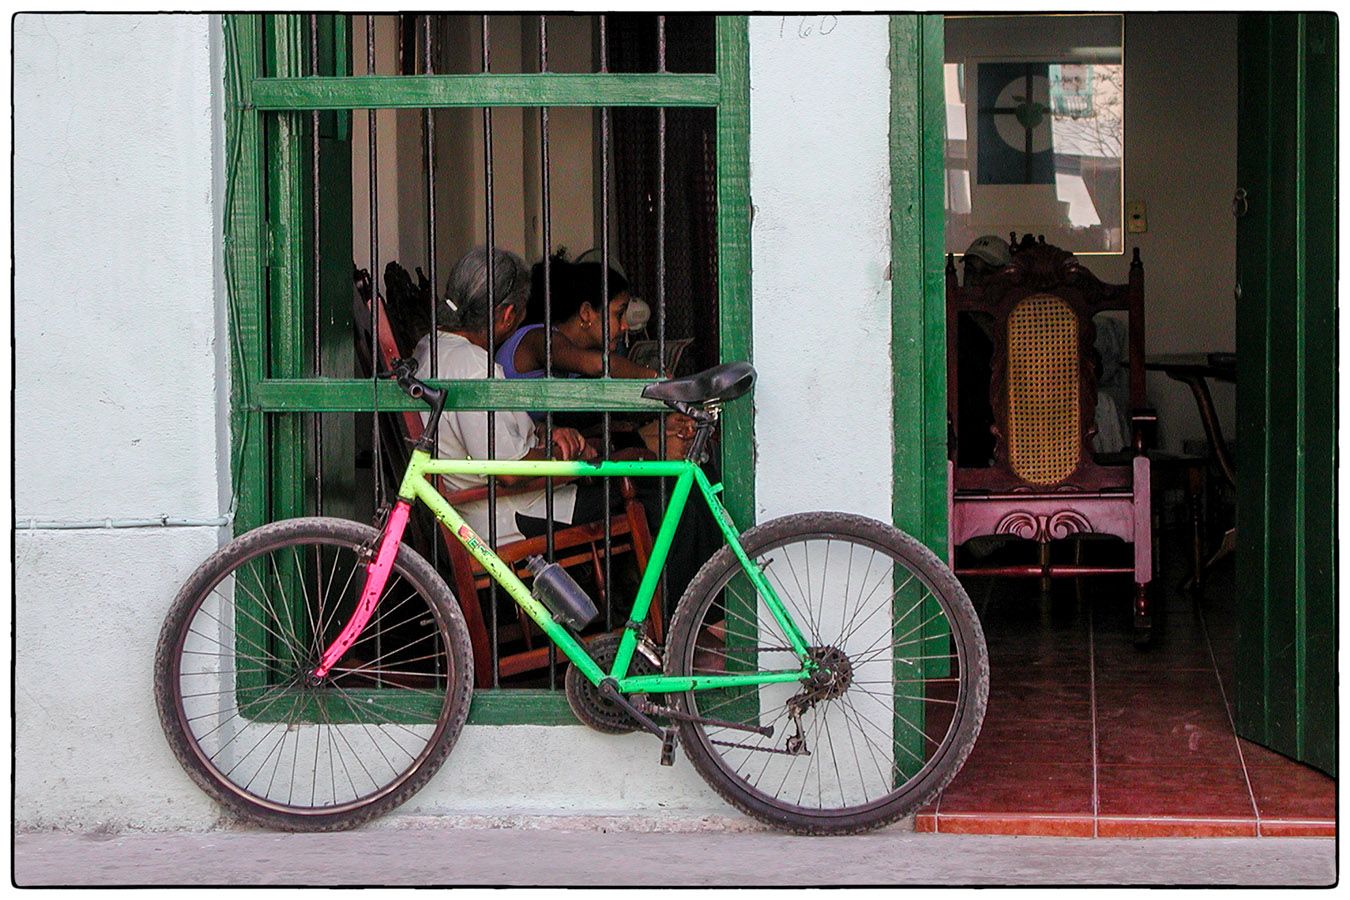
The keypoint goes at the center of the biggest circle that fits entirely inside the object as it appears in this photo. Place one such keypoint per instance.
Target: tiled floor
(1086, 735)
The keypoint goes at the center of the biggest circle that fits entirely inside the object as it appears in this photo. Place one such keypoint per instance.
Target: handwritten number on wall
(807, 26)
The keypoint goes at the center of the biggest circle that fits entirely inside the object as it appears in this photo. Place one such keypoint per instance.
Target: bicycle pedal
(669, 740)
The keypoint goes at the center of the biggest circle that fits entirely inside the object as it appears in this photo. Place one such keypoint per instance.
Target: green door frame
(918, 302)
(267, 227)
(918, 317)
(1286, 393)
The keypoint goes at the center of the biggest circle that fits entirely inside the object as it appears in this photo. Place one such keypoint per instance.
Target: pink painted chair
(1043, 482)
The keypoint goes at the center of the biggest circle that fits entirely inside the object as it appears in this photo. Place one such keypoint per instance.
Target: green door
(1286, 393)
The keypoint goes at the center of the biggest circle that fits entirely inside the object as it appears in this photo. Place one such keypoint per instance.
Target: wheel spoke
(314, 636)
(346, 586)
(848, 630)
(839, 779)
(806, 597)
(884, 604)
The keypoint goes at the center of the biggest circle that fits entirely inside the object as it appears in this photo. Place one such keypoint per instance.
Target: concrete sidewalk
(556, 851)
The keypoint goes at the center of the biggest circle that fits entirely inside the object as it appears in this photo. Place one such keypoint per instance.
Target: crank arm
(669, 737)
(654, 710)
(610, 692)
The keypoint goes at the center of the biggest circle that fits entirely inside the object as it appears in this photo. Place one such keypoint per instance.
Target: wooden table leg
(1195, 486)
(1209, 418)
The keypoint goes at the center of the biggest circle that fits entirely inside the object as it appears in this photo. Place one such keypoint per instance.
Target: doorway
(1088, 734)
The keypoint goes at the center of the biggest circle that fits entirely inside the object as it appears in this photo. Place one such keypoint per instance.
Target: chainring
(588, 704)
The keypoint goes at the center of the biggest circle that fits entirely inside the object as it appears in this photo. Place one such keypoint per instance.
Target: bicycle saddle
(715, 385)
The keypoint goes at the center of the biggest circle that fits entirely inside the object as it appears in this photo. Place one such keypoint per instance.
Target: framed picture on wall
(1036, 129)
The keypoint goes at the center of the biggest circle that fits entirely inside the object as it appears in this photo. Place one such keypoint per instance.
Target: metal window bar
(661, 268)
(429, 164)
(548, 320)
(376, 451)
(605, 434)
(429, 153)
(317, 436)
(492, 344)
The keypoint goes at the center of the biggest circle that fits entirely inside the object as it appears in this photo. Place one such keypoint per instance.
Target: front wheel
(253, 729)
(900, 686)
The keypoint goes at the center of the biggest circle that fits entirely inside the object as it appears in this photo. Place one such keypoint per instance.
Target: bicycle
(280, 691)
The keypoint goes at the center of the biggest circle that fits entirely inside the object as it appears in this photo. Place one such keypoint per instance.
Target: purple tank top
(506, 358)
(506, 354)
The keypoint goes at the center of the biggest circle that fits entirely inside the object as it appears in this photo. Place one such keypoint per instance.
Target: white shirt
(464, 435)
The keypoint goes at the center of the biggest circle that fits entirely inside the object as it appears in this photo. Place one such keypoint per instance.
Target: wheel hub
(833, 675)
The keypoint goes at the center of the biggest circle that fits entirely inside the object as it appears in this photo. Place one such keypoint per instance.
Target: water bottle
(560, 594)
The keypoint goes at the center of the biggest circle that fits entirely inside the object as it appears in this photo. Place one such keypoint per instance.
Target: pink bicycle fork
(377, 575)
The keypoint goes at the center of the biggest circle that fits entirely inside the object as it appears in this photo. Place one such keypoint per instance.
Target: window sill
(506, 706)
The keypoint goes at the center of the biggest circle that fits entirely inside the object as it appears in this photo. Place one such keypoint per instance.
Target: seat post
(704, 420)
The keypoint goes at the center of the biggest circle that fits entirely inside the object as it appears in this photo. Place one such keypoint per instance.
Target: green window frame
(269, 104)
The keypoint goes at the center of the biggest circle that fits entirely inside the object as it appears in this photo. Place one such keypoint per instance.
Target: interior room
(1112, 706)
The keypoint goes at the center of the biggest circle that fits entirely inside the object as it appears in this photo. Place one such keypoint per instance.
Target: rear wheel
(236, 701)
(895, 705)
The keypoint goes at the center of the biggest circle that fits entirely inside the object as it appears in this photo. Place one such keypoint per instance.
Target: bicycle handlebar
(417, 389)
(402, 371)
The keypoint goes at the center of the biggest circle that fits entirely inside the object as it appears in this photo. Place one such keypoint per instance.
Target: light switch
(1136, 217)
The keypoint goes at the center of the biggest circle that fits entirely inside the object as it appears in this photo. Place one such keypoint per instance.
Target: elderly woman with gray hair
(464, 321)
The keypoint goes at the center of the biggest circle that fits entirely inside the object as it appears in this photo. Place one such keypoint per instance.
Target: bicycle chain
(741, 746)
(796, 743)
(756, 649)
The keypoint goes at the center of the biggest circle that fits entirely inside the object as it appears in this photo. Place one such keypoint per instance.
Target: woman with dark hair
(472, 311)
(578, 342)
(574, 296)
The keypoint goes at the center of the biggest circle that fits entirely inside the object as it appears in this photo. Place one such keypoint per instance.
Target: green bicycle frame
(416, 485)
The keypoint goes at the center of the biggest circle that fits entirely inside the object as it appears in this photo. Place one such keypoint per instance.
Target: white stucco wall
(1181, 159)
(119, 376)
(119, 319)
(820, 246)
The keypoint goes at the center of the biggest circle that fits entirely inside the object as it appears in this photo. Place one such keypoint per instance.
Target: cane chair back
(1043, 390)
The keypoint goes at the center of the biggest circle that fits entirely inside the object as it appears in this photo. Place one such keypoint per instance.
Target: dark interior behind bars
(400, 195)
